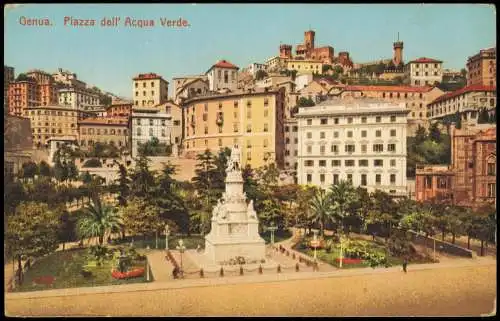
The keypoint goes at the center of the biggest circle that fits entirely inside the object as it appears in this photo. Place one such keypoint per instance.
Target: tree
(325, 68)
(97, 220)
(13, 194)
(484, 225)
(271, 212)
(23, 77)
(122, 185)
(29, 170)
(305, 102)
(420, 135)
(44, 169)
(142, 218)
(435, 133)
(64, 164)
(321, 209)
(260, 74)
(343, 196)
(143, 178)
(93, 162)
(31, 232)
(338, 69)
(383, 212)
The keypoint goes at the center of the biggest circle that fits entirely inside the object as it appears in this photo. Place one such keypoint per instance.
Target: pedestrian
(405, 263)
(175, 272)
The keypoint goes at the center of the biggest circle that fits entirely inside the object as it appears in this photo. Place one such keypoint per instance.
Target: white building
(76, 98)
(147, 123)
(68, 78)
(467, 101)
(362, 141)
(253, 68)
(149, 90)
(303, 80)
(291, 145)
(186, 88)
(222, 75)
(276, 63)
(424, 71)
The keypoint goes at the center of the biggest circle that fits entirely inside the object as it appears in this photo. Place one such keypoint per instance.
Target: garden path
(160, 267)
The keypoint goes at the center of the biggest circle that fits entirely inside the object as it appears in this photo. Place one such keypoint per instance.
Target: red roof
(150, 75)
(225, 64)
(104, 121)
(425, 60)
(464, 90)
(389, 88)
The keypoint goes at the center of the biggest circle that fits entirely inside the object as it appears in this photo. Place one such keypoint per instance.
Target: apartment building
(119, 108)
(424, 71)
(175, 112)
(40, 76)
(304, 66)
(251, 119)
(254, 67)
(8, 76)
(149, 122)
(360, 140)
(482, 68)
(467, 101)
(50, 122)
(433, 183)
(276, 63)
(68, 79)
(416, 99)
(113, 131)
(149, 90)
(22, 95)
(222, 75)
(188, 87)
(291, 144)
(75, 98)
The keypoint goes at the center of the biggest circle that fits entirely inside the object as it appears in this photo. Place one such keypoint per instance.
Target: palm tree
(320, 207)
(98, 220)
(342, 197)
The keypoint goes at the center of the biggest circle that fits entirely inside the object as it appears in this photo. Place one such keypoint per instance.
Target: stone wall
(442, 246)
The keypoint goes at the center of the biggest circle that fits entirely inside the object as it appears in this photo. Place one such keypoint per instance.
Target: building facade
(222, 75)
(424, 71)
(51, 122)
(119, 108)
(68, 79)
(8, 76)
(18, 144)
(175, 111)
(307, 50)
(482, 68)
(22, 95)
(304, 66)
(254, 67)
(467, 101)
(291, 145)
(146, 123)
(149, 90)
(361, 141)
(113, 131)
(253, 120)
(433, 183)
(76, 98)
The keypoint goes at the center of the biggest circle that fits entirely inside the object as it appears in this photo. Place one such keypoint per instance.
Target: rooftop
(223, 64)
(150, 75)
(239, 92)
(463, 90)
(352, 106)
(389, 88)
(425, 60)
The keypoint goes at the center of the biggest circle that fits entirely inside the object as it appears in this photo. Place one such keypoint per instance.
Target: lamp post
(272, 228)
(167, 233)
(315, 243)
(181, 249)
(341, 251)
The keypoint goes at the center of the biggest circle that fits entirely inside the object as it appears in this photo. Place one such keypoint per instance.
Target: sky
(109, 57)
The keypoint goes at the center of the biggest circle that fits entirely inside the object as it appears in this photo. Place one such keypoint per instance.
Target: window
(363, 163)
(378, 148)
(309, 163)
(349, 120)
(235, 104)
(266, 113)
(151, 122)
(309, 135)
(322, 178)
(266, 127)
(336, 121)
(322, 135)
(378, 162)
(378, 119)
(322, 149)
(349, 148)
(335, 179)
(393, 119)
(309, 149)
(309, 122)
(138, 131)
(349, 162)
(295, 129)
(378, 179)
(363, 120)
(249, 128)
(335, 134)
(442, 182)
(363, 148)
(265, 142)
(492, 190)
(266, 101)
(336, 163)
(205, 107)
(322, 163)
(324, 121)
(249, 155)
(349, 178)
(151, 132)
(491, 169)
(391, 147)
(249, 144)
(393, 162)
(363, 133)
(138, 121)
(393, 133)
(363, 180)
(349, 134)
(393, 179)
(334, 148)
(378, 133)
(428, 182)
(309, 178)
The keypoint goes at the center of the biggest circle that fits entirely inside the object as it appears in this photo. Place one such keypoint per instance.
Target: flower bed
(46, 280)
(127, 275)
(349, 260)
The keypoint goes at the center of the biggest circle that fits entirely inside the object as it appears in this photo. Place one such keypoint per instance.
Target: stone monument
(235, 226)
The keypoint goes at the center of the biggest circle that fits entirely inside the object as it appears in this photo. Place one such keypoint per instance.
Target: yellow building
(251, 119)
(52, 121)
(482, 68)
(113, 131)
(304, 66)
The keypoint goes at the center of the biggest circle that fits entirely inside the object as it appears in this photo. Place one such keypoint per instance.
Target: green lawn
(65, 266)
(331, 258)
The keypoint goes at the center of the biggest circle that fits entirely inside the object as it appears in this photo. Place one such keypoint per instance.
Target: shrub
(93, 162)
